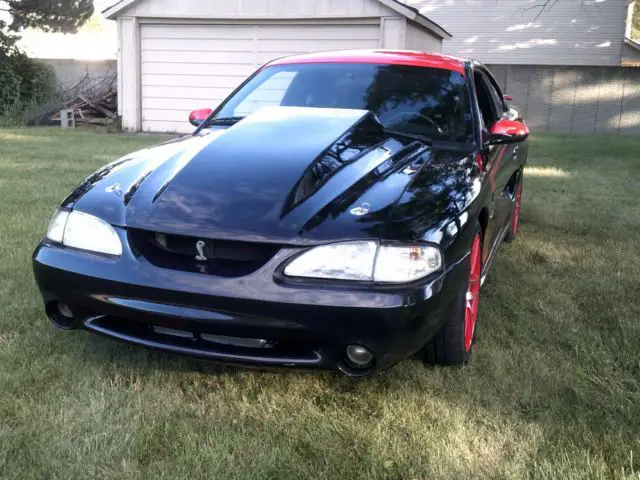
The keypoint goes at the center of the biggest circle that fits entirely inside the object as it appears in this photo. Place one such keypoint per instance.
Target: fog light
(65, 311)
(359, 356)
(60, 315)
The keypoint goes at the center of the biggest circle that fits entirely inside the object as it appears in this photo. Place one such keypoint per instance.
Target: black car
(337, 211)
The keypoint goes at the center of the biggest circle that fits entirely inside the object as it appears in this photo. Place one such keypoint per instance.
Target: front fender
(441, 206)
(106, 192)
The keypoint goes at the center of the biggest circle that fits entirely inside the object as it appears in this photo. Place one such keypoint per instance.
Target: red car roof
(388, 57)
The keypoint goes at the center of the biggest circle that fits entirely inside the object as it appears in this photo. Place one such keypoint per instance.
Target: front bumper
(302, 326)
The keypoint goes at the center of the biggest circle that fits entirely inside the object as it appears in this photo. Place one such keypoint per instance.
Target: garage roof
(396, 5)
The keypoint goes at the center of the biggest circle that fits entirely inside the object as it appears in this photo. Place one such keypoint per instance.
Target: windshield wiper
(224, 121)
(412, 136)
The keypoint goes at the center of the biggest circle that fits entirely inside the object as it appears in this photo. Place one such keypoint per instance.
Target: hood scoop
(241, 184)
(348, 148)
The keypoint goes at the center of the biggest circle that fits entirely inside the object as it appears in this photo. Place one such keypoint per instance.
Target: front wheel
(452, 344)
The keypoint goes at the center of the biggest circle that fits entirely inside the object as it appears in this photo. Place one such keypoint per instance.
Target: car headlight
(367, 261)
(85, 232)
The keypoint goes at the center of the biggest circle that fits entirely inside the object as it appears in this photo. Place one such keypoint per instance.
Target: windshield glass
(422, 101)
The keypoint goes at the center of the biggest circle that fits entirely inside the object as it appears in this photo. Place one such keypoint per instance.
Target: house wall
(510, 32)
(574, 99)
(419, 39)
(187, 67)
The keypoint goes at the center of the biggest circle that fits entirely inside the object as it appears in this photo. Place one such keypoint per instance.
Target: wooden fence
(574, 99)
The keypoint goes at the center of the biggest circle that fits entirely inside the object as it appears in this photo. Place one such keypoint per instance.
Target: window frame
(480, 82)
(495, 90)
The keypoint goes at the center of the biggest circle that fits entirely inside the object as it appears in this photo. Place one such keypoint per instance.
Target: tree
(48, 15)
(635, 26)
(543, 6)
(24, 81)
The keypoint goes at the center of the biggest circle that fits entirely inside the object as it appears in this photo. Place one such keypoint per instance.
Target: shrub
(37, 80)
(10, 81)
(26, 83)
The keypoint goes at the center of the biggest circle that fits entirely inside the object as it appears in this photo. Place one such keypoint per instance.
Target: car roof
(384, 57)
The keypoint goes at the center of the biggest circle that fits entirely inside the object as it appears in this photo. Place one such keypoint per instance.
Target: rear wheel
(452, 345)
(515, 217)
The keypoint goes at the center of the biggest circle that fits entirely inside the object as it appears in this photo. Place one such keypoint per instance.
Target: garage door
(185, 67)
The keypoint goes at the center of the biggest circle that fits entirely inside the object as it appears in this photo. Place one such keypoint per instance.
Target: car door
(499, 165)
(506, 170)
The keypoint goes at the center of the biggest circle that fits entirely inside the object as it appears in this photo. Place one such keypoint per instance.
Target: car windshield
(427, 102)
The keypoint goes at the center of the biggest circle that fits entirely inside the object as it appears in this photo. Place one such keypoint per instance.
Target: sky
(97, 40)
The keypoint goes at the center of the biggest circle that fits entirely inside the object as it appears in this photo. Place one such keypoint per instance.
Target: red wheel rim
(473, 292)
(516, 210)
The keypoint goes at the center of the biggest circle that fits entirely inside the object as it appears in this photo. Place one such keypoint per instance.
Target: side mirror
(508, 131)
(198, 116)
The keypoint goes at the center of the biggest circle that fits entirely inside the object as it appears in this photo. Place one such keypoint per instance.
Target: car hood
(283, 175)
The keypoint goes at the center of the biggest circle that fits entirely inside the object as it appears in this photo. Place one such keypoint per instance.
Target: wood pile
(94, 101)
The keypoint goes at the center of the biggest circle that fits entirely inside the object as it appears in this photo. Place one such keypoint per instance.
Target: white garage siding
(419, 39)
(185, 67)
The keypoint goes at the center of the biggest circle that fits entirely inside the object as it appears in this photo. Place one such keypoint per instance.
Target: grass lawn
(553, 390)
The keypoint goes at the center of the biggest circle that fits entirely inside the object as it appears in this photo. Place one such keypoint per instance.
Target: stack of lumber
(94, 101)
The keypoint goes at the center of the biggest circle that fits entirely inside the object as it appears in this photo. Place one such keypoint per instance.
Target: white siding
(394, 31)
(256, 9)
(420, 39)
(185, 67)
(571, 32)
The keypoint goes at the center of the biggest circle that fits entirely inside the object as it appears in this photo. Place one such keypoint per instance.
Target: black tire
(449, 346)
(515, 215)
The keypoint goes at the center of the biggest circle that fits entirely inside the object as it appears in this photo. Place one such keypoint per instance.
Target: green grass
(553, 390)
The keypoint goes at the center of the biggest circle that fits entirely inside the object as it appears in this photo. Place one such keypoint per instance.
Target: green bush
(10, 90)
(25, 114)
(25, 83)
(37, 80)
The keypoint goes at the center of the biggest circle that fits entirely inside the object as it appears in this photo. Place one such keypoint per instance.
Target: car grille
(207, 256)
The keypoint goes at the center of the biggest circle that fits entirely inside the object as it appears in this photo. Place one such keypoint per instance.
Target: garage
(194, 66)
(175, 57)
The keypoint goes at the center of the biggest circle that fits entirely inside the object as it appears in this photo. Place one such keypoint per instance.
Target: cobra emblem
(361, 210)
(201, 257)
(115, 188)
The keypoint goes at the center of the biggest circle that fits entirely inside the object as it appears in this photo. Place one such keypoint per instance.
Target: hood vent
(365, 136)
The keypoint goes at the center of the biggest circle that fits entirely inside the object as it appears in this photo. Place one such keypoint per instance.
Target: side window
(485, 100)
(496, 96)
(269, 94)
